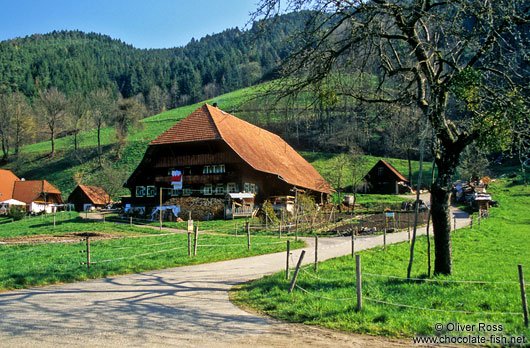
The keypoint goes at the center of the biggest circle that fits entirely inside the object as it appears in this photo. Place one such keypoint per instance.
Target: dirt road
(184, 307)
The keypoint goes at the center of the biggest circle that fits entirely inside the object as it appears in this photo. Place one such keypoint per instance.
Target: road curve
(184, 307)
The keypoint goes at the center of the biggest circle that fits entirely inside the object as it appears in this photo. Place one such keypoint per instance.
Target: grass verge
(488, 253)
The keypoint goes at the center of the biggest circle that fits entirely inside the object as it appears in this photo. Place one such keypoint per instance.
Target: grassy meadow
(489, 253)
(131, 250)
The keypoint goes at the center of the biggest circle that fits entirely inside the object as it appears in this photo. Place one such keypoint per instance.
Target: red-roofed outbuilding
(83, 197)
(37, 194)
(383, 178)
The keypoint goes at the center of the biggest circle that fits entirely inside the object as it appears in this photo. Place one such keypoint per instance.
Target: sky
(143, 24)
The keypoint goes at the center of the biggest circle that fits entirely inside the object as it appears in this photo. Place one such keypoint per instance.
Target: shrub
(16, 212)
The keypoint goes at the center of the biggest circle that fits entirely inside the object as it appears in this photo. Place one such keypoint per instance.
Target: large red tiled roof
(28, 191)
(96, 194)
(262, 150)
(195, 127)
(7, 183)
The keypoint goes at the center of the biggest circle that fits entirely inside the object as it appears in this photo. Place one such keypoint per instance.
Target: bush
(16, 212)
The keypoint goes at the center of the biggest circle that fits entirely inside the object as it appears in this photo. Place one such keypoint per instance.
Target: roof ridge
(239, 119)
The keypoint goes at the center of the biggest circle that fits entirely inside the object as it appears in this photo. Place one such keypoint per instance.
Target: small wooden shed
(87, 197)
(383, 178)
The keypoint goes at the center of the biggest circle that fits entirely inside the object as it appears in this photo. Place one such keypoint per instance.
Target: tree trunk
(52, 138)
(410, 165)
(75, 141)
(441, 225)
(5, 149)
(99, 146)
(440, 202)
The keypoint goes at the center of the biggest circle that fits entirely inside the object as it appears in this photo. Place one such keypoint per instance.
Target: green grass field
(26, 265)
(489, 253)
(64, 223)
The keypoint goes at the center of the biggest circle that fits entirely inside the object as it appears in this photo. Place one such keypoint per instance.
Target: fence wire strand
(439, 310)
(138, 255)
(440, 280)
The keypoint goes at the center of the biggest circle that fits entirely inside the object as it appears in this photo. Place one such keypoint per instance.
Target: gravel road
(184, 307)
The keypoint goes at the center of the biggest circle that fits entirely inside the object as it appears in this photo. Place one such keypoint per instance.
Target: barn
(210, 154)
(85, 197)
(383, 178)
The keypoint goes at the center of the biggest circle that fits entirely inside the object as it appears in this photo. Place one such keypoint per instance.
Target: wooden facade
(209, 169)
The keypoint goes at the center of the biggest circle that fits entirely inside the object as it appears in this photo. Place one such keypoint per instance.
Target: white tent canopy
(12, 202)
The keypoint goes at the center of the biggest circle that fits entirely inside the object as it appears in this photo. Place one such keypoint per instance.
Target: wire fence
(314, 280)
(92, 251)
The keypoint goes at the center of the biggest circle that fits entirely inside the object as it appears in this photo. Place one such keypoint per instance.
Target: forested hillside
(77, 62)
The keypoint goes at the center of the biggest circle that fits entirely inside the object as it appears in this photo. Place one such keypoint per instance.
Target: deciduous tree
(102, 106)
(53, 107)
(463, 64)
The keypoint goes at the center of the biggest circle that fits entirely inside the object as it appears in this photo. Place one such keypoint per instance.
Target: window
(246, 187)
(140, 191)
(186, 191)
(151, 191)
(219, 189)
(252, 188)
(207, 170)
(206, 189)
(175, 193)
(380, 171)
(232, 187)
(220, 168)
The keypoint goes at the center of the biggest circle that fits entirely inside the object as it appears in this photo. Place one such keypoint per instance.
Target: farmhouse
(383, 178)
(39, 195)
(87, 197)
(210, 154)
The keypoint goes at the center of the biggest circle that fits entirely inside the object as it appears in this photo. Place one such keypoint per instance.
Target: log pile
(201, 208)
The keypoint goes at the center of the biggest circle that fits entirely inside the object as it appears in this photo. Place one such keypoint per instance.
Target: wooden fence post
(54, 220)
(523, 295)
(358, 275)
(160, 211)
(195, 240)
(316, 253)
(287, 260)
(293, 282)
(454, 223)
(408, 224)
(189, 243)
(296, 226)
(384, 238)
(87, 252)
(280, 230)
(236, 228)
(353, 233)
(130, 221)
(471, 224)
(248, 235)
